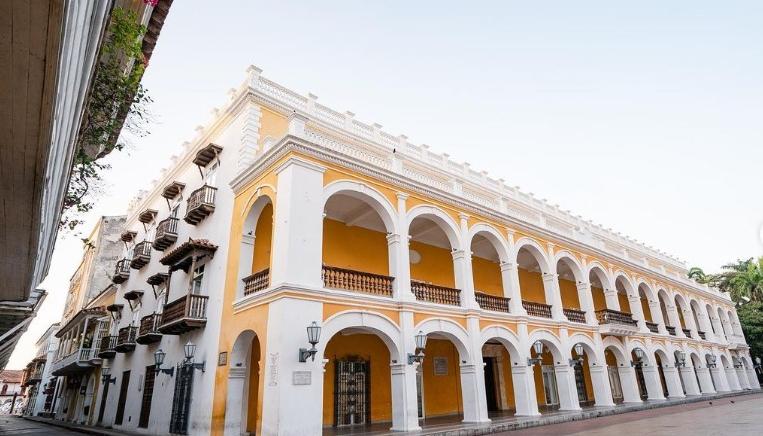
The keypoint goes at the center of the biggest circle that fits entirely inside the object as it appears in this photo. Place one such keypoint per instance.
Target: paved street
(13, 425)
(742, 417)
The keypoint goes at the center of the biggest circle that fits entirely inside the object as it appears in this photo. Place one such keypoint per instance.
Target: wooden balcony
(121, 271)
(201, 203)
(540, 310)
(575, 315)
(106, 349)
(436, 294)
(149, 329)
(166, 233)
(141, 255)
(652, 326)
(184, 314)
(492, 302)
(257, 282)
(702, 335)
(671, 330)
(126, 339)
(687, 332)
(614, 322)
(356, 281)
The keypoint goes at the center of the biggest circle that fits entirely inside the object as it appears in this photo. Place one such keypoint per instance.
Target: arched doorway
(553, 376)
(591, 379)
(622, 376)
(638, 359)
(681, 309)
(243, 414)
(731, 375)
(660, 359)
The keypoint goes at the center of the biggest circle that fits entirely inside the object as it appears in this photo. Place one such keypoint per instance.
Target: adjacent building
(12, 390)
(37, 375)
(296, 269)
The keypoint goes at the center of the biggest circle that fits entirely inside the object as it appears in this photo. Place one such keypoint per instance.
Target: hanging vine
(117, 109)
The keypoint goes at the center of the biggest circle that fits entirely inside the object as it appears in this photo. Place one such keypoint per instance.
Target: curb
(79, 428)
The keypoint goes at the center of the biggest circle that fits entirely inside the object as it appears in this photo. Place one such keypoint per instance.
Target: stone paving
(16, 425)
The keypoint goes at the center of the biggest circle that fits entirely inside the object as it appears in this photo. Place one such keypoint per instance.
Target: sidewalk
(87, 429)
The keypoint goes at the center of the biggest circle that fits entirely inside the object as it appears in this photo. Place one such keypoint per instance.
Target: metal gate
(148, 393)
(181, 401)
(643, 393)
(352, 393)
(614, 384)
(580, 383)
(549, 386)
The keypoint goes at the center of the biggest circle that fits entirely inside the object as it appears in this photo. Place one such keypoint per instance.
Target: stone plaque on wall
(440, 366)
(301, 378)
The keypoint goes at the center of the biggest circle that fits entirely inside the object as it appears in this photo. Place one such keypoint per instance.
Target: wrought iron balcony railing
(671, 330)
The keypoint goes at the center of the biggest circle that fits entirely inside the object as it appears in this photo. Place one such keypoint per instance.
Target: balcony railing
(73, 362)
(492, 302)
(575, 315)
(201, 203)
(149, 329)
(609, 316)
(106, 349)
(121, 271)
(652, 326)
(687, 332)
(166, 233)
(356, 281)
(126, 339)
(184, 314)
(541, 310)
(671, 330)
(701, 334)
(435, 294)
(141, 255)
(257, 282)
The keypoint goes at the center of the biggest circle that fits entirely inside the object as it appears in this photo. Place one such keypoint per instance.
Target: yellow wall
(531, 286)
(487, 276)
(599, 300)
(263, 238)
(645, 309)
(569, 291)
(272, 125)
(436, 265)
(680, 311)
(442, 393)
(360, 347)
(625, 305)
(354, 248)
(254, 415)
(508, 379)
(540, 393)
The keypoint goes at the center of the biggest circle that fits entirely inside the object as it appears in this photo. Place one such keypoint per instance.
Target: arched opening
(724, 323)
(500, 389)
(585, 384)
(243, 407)
(645, 296)
(357, 385)
(731, 375)
(536, 298)
(696, 366)
(352, 220)
(614, 375)
(713, 323)
(486, 266)
(570, 275)
(662, 296)
(698, 325)
(661, 360)
(623, 292)
(598, 280)
(622, 376)
(735, 328)
(639, 368)
(680, 309)
(680, 359)
(433, 247)
(547, 381)
(255, 252)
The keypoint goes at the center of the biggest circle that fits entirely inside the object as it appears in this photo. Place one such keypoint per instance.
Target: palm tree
(742, 279)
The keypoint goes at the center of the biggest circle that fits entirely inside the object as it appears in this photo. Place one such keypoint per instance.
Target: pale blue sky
(643, 116)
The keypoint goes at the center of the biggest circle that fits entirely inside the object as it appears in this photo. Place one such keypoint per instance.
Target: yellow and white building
(283, 213)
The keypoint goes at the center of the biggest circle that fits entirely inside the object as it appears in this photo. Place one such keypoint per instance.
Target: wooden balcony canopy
(183, 256)
(173, 190)
(157, 279)
(147, 216)
(206, 154)
(133, 295)
(115, 307)
(128, 235)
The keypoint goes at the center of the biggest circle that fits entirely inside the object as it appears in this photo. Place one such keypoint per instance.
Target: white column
(718, 327)
(523, 377)
(690, 380)
(629, 384)
(510, 278)
(656, 311)
(298, 232)
(235, 413)
(733, 380)
(405, 410)
(610, 296)
(742, 377)
(653, 384)
(473, 376)
(673, 382)
(553, 296)
(673, 318)
(586, 302)
(602, 391)
(705, 382)
(689, 322)
(402, 282)
(719, 375)
(637, 311)
(565, 382)
(462, 268)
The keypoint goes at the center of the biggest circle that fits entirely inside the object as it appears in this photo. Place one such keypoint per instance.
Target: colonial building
(38, 379)
(296, 269)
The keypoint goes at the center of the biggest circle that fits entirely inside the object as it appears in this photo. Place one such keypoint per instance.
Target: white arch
(535, 249)
(588, 346)
(506, 337)
(618, 348)
(637, 343)
(439, 217)
(373, 322)
(367, 194)
(603, 276)
(450, 329)
(494, 236)
(551, 341)
(237, 397)
(627, 281)
(573, 263)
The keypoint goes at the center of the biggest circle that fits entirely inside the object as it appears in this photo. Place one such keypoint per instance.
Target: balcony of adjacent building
(126, 339)
(148, 332)
(166, 233)
(201, 202)
(79, 342)
(141, 255)
(107, 347)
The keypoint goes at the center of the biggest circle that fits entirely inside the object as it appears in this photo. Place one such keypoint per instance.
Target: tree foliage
(117, 104)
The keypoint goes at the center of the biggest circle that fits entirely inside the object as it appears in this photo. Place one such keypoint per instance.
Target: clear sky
(642, 116)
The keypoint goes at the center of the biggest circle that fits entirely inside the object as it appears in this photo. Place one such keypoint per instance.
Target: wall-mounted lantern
(681, 359)
(189, 350)
(579, 352)
(313, 336)
(106, 376)
(711, 361)
(538, 348)
(639, 358)
(421, 343)
(159, 360)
